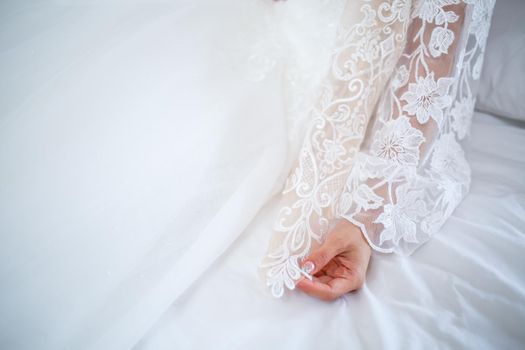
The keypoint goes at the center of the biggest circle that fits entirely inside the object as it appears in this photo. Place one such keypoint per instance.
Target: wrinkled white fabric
(464, 289)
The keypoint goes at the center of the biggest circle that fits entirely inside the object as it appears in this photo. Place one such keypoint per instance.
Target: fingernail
(308, 267)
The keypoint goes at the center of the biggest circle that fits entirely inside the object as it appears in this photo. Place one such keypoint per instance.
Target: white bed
(65, 111)
(465, 289)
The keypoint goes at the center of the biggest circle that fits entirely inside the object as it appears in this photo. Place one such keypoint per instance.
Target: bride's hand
(339, 265)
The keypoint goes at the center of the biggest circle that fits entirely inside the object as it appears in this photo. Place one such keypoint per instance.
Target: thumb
(319, 257)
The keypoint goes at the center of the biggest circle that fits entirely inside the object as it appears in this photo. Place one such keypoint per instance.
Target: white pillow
(502, 86)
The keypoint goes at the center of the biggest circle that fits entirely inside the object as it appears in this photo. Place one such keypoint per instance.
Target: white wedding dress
(144, 141)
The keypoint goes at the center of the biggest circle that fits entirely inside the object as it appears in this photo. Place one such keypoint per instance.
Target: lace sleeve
(411, 172)
(370, 41)
(383, 149)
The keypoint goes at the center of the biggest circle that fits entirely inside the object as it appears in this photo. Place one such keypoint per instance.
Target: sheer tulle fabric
(383, 150)
(138, 139)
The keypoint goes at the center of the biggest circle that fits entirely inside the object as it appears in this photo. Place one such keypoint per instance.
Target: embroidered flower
(448, 159)
(427, 98)
(440, 41)
(400, 77)
(452, 193)
(428, 10)
(399, 219)
(401, 8)
(333, 151)
(461, 115)
(481, 20)
(366, 199)
(398, 141)
(367, 49)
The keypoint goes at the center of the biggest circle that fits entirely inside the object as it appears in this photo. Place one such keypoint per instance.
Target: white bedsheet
(465, 289)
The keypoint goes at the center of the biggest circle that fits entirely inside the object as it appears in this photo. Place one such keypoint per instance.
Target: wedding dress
(128, 211)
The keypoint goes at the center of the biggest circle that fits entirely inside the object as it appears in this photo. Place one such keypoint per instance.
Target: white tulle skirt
(138, 142)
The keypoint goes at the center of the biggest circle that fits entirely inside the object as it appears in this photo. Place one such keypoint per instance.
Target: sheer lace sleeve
(370, 41)
(411, 172)
(383, 148)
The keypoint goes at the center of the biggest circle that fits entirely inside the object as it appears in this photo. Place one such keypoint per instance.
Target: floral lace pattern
(363, 61)
(434, 104)
(403, 74)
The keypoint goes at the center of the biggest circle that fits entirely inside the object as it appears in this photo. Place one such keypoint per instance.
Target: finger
(341, 286)
(328, 288)
(323, 279)
(354, 279)
(320, 256)
(331, 267)
(316, 289)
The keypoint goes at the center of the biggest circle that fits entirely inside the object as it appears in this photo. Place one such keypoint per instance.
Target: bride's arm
(411, 173)
(370, 42)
